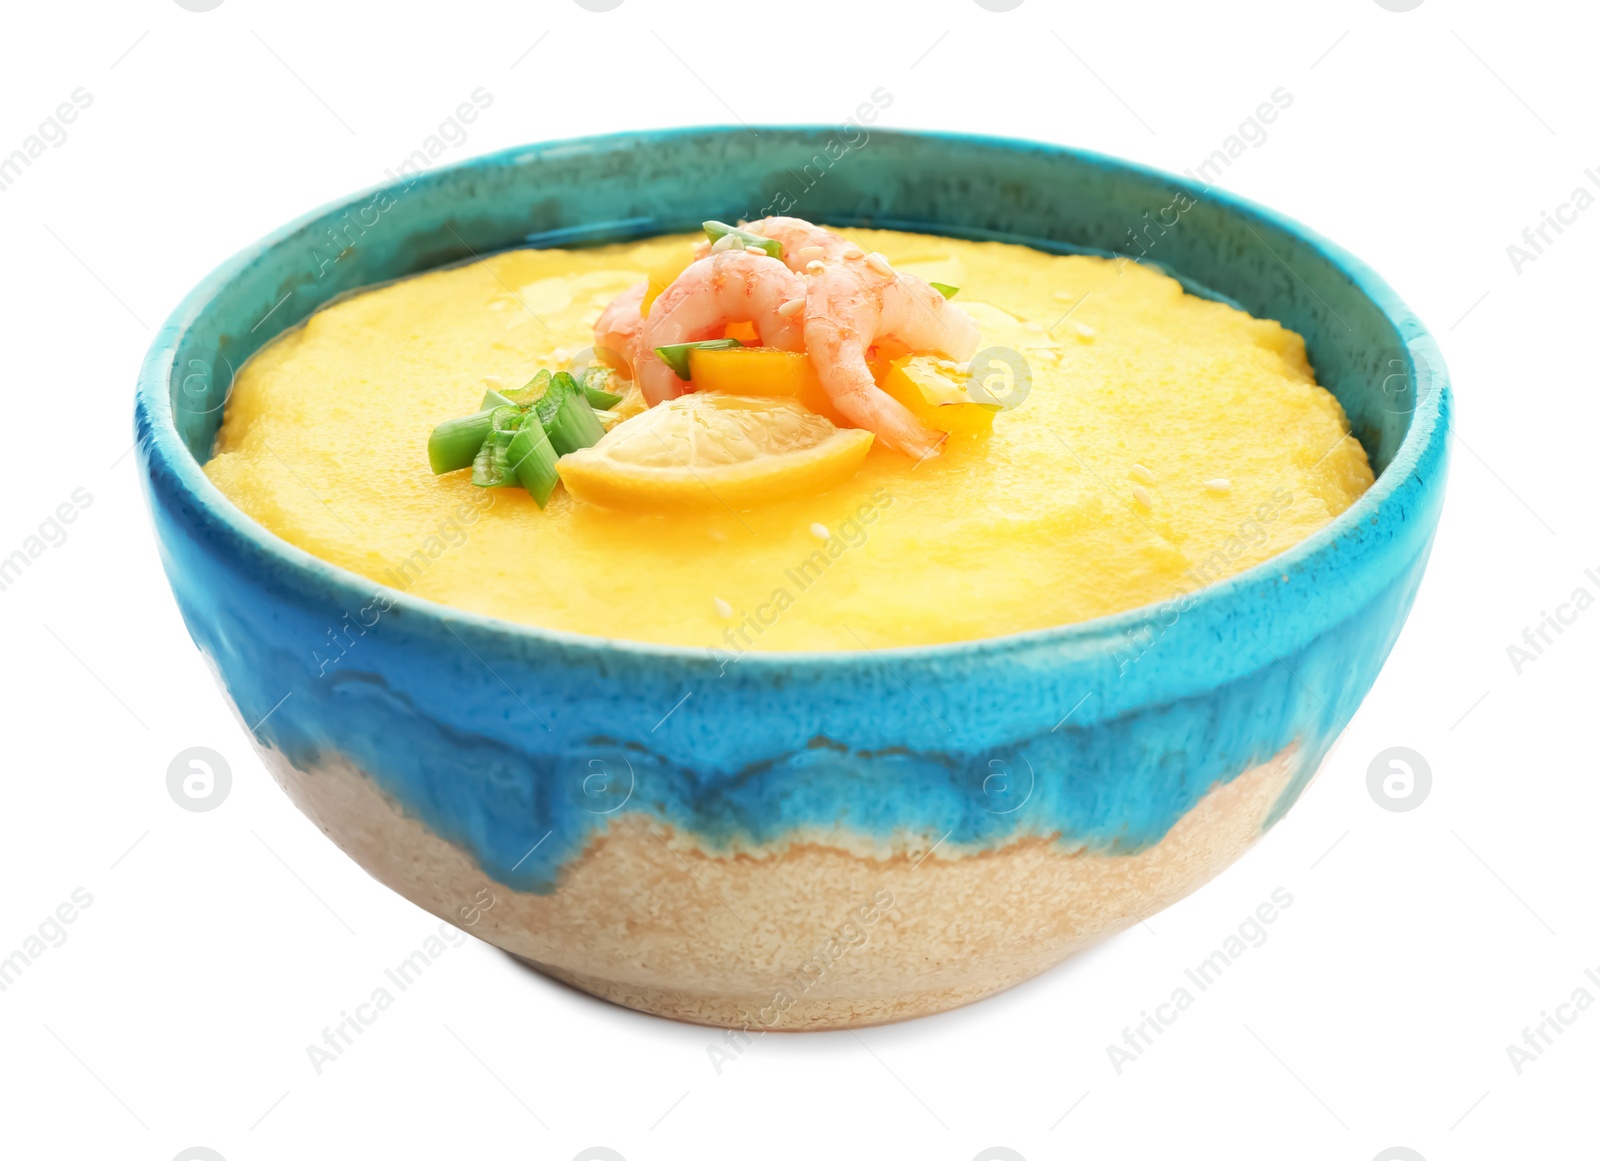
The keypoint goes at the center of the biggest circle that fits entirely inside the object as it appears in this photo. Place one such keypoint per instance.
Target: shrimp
(731, 286)
(857, 302)
(617, 331)
(802, 242)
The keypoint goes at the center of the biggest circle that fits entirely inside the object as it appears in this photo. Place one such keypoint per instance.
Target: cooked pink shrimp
(802, 241)
(855, 303)
(617, 331)
(733, 286)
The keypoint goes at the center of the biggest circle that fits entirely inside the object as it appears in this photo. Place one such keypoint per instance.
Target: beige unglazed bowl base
(829, 932)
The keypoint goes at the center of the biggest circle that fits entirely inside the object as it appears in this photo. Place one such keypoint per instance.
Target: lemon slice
(710, 449)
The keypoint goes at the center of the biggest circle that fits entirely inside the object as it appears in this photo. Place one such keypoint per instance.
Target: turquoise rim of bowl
(162, 447)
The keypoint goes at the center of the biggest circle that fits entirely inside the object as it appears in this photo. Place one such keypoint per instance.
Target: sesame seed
(853, 252)
(1032, 326)
(1142, 497)
(756, 250)
(1143, 474)
(1085, 331)
(561, 354)
(814, 267)
(793, 307)
(1219, 485)
(725, 243)
(820, 531)
(876, 261)
(723, 608)
(493, 381)
(1065, 296)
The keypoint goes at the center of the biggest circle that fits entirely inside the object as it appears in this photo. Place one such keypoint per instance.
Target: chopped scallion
(945, 289)
(529, 392)
(493, 399)
(594, 381)
(676, 356)
(716, 231)
(454, 443)
(546, 406)
(491, 468)
(572, 424)
(533, 460)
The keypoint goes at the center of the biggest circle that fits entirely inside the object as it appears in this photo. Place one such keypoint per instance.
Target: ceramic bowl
(798, 840)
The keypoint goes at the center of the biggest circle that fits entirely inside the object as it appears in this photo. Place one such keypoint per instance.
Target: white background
(177, 1011)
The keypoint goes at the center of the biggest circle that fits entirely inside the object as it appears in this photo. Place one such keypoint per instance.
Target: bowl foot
(755, 1014)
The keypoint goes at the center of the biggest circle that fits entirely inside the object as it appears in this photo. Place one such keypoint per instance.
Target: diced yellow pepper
(662, 277)
(938, 397)
(763, 371)
(745, 332)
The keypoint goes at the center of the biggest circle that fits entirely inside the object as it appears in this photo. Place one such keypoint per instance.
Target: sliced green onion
(945, 289)
(491, 468)
(533, 460)
(493, 399)
(546, 406)
(454, 443)
(677, 355)
(716, 231)
(594, 380)
(573, 424)
(529, 392)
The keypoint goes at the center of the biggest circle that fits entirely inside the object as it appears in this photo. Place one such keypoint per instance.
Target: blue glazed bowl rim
(166, 449)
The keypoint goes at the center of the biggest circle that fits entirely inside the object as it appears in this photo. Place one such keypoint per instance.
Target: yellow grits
(1166, 441)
